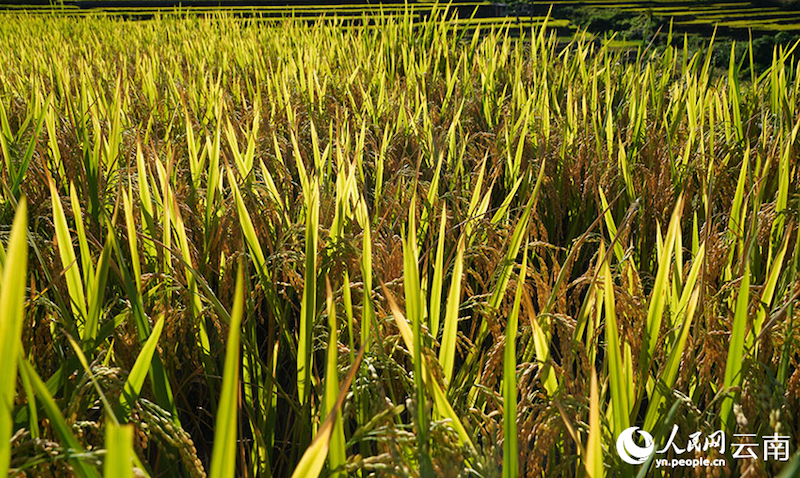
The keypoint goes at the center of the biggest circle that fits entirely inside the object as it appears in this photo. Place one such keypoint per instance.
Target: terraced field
(463, 16)
(737, 20)
(727, 15)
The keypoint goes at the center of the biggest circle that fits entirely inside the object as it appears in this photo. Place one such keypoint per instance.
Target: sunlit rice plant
(412, 245)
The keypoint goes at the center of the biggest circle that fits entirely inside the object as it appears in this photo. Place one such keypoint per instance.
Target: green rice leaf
(447, 352)
(620, 401)
(69, 261)
(223, 457)
(118, 461)
(594, 447)
(733, 366)
(336, 454)
(12, 305)
(510, 454)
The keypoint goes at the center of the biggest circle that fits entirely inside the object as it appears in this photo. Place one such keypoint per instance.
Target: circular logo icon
(629, 451)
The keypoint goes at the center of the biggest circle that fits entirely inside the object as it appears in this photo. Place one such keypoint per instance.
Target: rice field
(275, 247)
(735, 18)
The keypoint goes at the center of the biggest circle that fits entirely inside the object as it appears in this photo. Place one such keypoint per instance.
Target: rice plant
(403, 246)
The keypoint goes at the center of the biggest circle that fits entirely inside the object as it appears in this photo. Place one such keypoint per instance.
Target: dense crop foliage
(259, 248)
